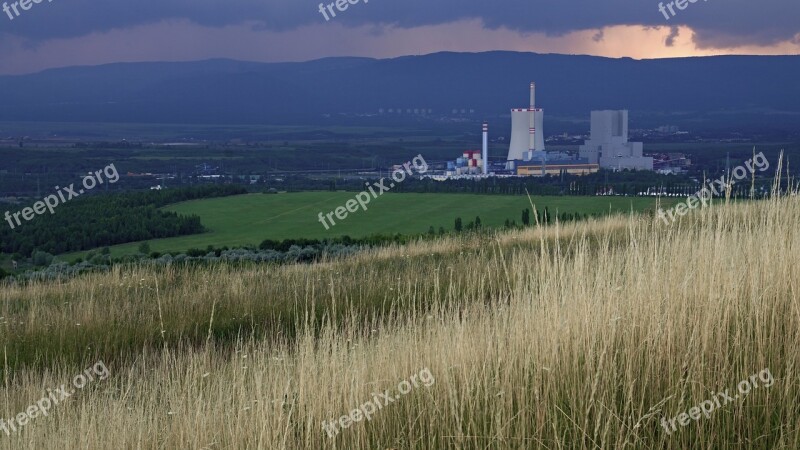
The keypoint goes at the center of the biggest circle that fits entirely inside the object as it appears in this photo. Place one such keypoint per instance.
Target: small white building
(608, 143)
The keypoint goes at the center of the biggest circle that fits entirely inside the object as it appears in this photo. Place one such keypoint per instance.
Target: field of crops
(249, 219)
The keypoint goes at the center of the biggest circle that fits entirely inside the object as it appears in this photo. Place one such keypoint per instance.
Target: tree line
(528, 218)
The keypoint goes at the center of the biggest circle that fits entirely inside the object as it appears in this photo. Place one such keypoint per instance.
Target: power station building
(608, 143)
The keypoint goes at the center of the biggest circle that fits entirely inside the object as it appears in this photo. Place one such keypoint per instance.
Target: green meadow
(249, 219)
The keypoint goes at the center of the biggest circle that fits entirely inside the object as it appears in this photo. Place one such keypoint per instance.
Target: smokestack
(485, 148)
(531, 114)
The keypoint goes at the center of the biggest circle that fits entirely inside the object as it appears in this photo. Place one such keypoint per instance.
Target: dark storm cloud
(717, 22)
(674, 32)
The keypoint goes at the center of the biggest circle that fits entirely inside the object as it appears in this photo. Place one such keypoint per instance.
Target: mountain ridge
(727, 90)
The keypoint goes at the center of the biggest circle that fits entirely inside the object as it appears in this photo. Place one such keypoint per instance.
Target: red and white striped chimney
(532, 117)
(485, 148)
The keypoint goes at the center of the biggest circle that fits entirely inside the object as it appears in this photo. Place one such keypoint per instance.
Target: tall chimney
(485, 148)
(531, 114)
(533, 95)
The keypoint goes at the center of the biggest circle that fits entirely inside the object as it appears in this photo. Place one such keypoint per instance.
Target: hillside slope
(583, 336)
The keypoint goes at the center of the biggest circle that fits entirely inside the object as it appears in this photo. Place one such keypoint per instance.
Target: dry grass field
(577, 336)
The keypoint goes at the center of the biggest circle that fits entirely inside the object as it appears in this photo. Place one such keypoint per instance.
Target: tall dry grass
(581, 336)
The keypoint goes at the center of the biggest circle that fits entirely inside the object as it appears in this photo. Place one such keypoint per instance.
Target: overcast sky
(87, 32)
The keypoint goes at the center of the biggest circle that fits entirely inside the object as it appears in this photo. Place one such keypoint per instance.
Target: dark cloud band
(717, 23)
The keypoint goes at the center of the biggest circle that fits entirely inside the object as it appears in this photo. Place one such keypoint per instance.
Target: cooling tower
(527, 130)
(520, 121)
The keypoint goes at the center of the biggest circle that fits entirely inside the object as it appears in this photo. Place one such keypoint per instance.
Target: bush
(269, 244)
(42, 259)
(195, 252)
(144, 248)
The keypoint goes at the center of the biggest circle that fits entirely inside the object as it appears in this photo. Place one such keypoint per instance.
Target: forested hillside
(102, 220)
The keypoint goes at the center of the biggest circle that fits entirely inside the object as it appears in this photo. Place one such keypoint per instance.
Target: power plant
(607, 147)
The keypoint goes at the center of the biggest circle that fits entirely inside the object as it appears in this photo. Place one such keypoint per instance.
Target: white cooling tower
(527, 129)
(520, 121)
(520, 132)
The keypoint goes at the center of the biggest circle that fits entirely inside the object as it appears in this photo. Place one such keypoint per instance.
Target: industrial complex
(608, 148)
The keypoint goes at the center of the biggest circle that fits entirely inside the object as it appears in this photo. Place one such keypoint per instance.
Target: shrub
(195, 252)
(42, 258)
(144, 248)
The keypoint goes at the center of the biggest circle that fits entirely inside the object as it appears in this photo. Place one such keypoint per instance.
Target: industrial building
(541, 163)
(570, 167)
(472, 162)
(608, 143)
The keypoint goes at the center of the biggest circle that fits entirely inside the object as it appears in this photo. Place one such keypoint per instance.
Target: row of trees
(528, 219)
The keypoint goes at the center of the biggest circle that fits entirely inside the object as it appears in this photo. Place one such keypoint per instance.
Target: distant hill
(719, 92)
